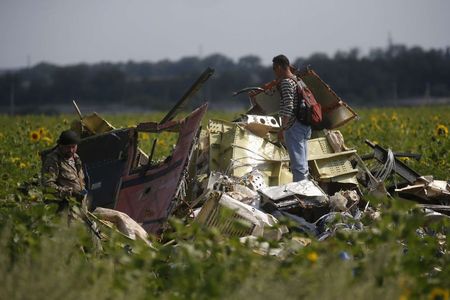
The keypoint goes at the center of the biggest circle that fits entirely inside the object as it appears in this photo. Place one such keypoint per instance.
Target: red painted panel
(147, 197)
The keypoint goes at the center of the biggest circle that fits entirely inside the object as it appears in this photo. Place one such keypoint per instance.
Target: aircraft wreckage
(241, 166)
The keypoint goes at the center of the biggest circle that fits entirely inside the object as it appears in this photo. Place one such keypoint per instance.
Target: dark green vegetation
(40, 258)
(382, 77)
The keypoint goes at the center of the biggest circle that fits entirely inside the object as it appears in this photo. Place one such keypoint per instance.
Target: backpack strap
(301, 84)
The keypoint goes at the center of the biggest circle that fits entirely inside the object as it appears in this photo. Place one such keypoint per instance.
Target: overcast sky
(67, 32)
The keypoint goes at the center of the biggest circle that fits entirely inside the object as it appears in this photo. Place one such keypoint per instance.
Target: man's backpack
(309, 112)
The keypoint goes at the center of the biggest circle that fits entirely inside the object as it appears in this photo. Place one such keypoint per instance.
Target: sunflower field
(399, 256)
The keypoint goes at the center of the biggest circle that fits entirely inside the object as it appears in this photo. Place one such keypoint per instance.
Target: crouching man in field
(62, 170)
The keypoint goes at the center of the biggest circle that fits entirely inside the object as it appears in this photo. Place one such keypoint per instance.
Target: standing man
(62, 169)
(294, 132)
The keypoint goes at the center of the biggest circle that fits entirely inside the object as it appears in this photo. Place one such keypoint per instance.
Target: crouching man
(62, 170)
(295, 133)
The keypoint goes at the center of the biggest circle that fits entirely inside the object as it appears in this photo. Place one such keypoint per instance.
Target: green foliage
(401, 255)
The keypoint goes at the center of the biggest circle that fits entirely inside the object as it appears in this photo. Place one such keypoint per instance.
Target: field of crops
(40, 256)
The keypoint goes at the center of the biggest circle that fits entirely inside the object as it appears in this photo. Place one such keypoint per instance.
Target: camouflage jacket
(59, 174)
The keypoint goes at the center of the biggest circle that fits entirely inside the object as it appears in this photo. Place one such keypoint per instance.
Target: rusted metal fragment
(150, 196)
(121, 177)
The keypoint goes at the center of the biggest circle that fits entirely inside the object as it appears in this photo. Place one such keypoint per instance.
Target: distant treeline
(396, 72)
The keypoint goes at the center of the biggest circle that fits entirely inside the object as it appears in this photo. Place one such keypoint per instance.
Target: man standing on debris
(62, 169)
(295, 133)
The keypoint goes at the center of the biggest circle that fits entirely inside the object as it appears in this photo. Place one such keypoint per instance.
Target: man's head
(67, 143)
(281, 66)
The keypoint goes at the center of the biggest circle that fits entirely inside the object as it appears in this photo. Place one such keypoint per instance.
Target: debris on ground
(234, 175)
(123, 223)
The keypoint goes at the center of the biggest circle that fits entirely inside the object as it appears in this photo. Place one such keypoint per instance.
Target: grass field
(40, 257)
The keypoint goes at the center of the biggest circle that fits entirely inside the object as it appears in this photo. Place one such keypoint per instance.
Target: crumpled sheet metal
(150, 195)
(428, 190)
(306, 188)
(243, 220)
(344, 200)
(432, 215)
(302, 194)
(335, 111)
(332, 222)
(123, 223)
(384, 156)
(233, 187)
(93, 123)
(236, 151)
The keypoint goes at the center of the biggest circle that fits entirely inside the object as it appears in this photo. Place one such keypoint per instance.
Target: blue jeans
(296, 138)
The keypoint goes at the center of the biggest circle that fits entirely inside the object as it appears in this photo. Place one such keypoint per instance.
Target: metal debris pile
(235, 176)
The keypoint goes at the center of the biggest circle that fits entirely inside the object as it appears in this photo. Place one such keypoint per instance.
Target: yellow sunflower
(441, 130)
(22, 165)
(35, 136)
(438, 293)
(312, 256)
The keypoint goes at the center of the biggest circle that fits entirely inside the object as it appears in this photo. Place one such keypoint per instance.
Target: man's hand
(284, 121)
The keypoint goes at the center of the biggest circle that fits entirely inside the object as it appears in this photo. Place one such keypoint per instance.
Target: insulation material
(123, 223)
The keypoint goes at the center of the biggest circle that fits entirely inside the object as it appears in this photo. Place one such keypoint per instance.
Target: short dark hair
(282, 61)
